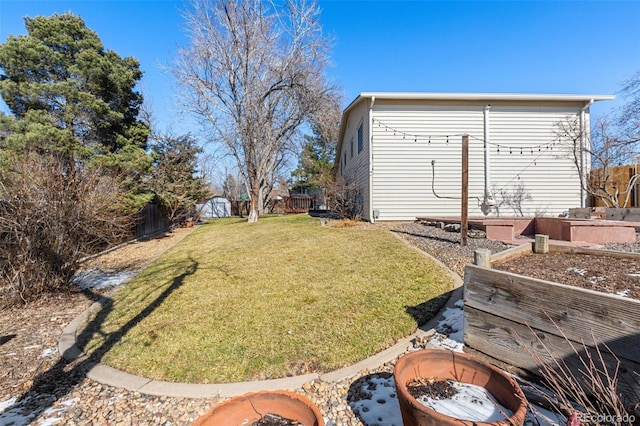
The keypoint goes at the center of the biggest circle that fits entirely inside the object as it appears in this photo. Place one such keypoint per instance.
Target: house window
(352, 148)
(344, 160)
(360, 138)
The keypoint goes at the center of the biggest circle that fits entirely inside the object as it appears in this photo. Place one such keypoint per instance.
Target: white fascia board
(483, 97)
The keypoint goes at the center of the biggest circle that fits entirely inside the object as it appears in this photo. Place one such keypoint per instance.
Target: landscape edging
(104, 374)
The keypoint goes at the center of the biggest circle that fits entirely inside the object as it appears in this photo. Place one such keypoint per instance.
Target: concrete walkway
(110, 376)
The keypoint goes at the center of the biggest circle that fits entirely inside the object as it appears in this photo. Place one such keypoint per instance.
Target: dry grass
(588, 391)
(236, 301)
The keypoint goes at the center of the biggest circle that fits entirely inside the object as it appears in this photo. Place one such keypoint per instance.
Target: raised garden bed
(509, 316)
(592, 231)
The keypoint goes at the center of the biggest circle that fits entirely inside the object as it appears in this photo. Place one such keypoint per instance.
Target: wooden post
(464, 219)
(482, 258)
(542, 244)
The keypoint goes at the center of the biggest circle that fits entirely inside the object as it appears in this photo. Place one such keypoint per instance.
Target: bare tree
(253, 74)
(629, 114)
(606, 149)
(513, 198)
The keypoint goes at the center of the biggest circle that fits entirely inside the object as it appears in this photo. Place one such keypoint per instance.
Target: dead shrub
(51, 216)
(588, 391)
(346, 199)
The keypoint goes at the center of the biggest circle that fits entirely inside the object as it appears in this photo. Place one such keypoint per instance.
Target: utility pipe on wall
(488, 202)
(583, 146)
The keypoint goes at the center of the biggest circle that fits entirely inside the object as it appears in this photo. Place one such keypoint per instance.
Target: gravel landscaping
(38, 387)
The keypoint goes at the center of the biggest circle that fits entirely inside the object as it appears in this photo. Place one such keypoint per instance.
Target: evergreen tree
(315, 167)
(175, 181)
(72, 98)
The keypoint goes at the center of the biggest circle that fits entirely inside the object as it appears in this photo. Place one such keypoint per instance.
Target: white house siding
(548, 174)
(357, 166)
(402, 163)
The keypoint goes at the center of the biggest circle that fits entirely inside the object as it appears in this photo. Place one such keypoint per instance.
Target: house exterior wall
(416, 152)
(354, 166)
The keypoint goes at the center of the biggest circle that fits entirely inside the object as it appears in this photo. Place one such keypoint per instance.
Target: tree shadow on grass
(64, 375)
(425, 311)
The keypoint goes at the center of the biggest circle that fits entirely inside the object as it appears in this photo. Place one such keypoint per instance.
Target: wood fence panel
(620, 177)
(298, 204)
(151, 221)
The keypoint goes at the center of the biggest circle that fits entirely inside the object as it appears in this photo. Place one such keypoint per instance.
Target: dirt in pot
(275, 420)
(431, 388)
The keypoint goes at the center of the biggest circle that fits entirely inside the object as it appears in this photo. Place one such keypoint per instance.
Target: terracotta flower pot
(251, 407)
(443, 365)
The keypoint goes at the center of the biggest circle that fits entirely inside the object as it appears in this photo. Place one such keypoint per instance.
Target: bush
(51, 216)
(346, 199)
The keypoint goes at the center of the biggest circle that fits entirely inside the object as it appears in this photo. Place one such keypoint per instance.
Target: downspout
(371, 218)
(488, 202)
(583, 145)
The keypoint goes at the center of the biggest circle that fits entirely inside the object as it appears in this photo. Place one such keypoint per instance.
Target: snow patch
(94, 278)
(7, 404)
(577, 270)
(380, 406)
(50, 421)
(49, 353)
(623, 293)
(472, 403)
(451, 329)
(12, 414)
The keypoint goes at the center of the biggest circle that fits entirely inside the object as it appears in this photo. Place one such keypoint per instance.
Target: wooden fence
(620, 177)
(298, 204)
(151, 221)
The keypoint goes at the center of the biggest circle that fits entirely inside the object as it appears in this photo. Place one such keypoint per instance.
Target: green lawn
(236, 301)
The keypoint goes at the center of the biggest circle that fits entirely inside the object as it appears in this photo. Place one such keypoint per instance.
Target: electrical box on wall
(376, 213)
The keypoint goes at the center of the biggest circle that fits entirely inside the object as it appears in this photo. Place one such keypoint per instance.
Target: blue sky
(583, 47)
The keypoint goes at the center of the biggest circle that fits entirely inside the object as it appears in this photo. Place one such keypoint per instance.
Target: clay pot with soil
(438, 374)
(262, 409)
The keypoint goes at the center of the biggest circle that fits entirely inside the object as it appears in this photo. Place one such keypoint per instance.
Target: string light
(499, 147)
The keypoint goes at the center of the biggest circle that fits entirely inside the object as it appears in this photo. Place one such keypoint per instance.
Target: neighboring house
(403, 152)
(212, 208)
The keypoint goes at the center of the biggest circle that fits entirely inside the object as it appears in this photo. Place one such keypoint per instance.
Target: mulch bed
(29, 333)
(600, 273)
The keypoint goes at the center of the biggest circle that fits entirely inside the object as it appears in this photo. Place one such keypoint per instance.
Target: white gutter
(487, 202)
(373, 101)
(583, 146)
(488, 97)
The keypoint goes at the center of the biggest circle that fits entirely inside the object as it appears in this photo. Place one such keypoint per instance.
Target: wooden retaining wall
(509, 316)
